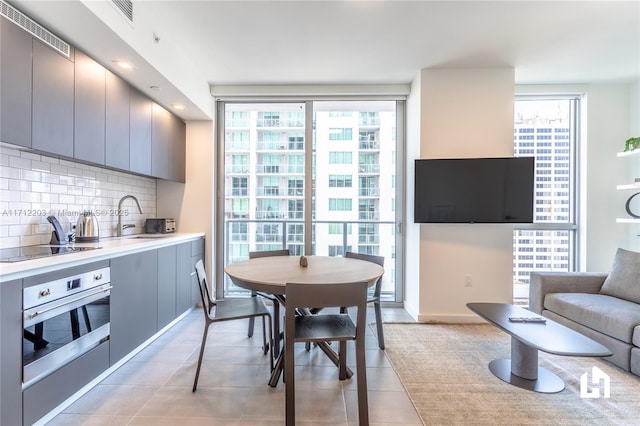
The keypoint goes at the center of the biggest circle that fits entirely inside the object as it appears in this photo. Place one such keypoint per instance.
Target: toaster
(160, 226)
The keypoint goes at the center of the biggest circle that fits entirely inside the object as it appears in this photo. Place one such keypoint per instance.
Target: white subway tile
(50, 178)
(41, 166)
(59, 189)
(30, 155)
(9, 242)
(59, 169)
(9, 173)
(30, 197)
(30, 175)
(19, 163)
(40, 187)
(19, 185)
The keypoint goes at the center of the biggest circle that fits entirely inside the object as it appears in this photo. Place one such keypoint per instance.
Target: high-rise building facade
(544, 129)
(352, 175)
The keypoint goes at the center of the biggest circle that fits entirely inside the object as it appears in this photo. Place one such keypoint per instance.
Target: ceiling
(185, 46)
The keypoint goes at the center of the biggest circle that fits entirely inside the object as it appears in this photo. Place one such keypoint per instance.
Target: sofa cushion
(624, 279)
(636, 336)
(609, 315)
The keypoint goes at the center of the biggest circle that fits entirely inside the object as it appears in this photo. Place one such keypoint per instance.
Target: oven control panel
(53, 290)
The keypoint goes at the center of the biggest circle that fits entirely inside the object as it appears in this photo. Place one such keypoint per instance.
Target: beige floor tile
(384, 407)
(89, 420)
(116, 400)
(154, 387)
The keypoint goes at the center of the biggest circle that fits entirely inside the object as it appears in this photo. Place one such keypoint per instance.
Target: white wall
(464, 113)
(412, 230)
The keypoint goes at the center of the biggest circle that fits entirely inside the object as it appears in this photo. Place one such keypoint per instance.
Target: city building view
(351, 177)
(545, 129)
(351, 172)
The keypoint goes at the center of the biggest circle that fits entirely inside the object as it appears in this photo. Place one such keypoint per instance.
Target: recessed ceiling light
(177, 106)
(124, 64)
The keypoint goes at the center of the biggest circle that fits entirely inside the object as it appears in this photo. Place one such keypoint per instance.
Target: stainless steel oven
(63, 319)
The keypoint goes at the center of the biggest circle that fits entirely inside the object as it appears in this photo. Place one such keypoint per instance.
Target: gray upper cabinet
(15, 84)
(89, 116)
(140, 133)
(117, 122)
(52, 120)
(75, 108)
(161, 135)
(178, 150)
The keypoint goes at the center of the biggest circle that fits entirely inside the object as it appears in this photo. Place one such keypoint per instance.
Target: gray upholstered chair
(324, 328)
(375, 296)
(226, 310)
(274, 301)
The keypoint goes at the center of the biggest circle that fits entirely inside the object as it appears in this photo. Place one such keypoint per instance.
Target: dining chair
(375, 296)
(229, 309)
(325, 328)
(274, 301)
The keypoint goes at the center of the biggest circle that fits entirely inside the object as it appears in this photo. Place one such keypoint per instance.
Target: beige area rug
(444, 369)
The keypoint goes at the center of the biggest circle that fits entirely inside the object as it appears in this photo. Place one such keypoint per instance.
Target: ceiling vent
(126, 7)
(33, 28)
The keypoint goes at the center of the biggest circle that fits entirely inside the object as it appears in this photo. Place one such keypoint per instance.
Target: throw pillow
(623, 281)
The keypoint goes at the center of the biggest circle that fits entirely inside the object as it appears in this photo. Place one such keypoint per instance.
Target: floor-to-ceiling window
(316, 177)
(547, 129)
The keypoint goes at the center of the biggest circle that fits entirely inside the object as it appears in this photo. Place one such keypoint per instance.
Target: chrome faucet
(130, 225)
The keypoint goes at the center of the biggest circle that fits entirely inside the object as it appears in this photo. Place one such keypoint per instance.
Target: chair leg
(276, 329)
(289, 368)
(202, 345)
(363, 403)
(342, 360)
(378, 310)
(270, 343)
(265, 344)
(252, 320)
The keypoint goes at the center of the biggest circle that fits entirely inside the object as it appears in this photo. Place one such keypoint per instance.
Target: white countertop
(109, 248)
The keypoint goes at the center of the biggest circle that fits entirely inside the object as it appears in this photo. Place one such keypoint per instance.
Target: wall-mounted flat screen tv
(474, 190)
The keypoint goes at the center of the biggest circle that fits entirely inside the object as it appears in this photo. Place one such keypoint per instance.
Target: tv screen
(474, 190)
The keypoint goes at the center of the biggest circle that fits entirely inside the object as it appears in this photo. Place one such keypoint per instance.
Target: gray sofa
(603, 306)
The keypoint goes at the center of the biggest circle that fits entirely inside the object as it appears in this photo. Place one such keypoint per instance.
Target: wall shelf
(627, 220)
(629, 186)
(629, 153)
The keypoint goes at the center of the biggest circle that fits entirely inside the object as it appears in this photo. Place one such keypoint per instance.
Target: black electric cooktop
(18, 254)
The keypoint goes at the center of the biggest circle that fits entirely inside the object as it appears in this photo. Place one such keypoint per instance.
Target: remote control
(527, 319)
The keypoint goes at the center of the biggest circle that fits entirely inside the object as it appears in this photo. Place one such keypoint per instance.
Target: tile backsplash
(34, 186)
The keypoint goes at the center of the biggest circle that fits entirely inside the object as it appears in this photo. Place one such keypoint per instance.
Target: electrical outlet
(468, 282)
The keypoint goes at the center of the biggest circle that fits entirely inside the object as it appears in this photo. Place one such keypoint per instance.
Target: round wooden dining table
(271, 274)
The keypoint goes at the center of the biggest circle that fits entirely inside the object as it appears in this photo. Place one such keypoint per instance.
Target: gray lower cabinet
(11, 353)
(89, 114)
(134, 308)
(47, 394)
(167, 280)
(185, 271)
(15, 84)
(52, 113)
(197, 253)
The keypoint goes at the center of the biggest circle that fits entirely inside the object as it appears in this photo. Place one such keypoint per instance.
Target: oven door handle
(51, 308)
